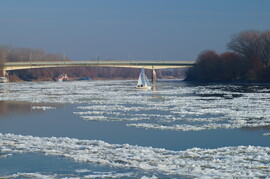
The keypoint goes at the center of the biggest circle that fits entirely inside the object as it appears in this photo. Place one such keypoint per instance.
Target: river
(110, 129)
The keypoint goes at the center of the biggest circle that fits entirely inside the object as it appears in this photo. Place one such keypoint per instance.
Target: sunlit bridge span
(8, 66)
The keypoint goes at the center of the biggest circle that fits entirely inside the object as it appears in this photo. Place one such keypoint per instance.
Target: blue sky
(129, 29)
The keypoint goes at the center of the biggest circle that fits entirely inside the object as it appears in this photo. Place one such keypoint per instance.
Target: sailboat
(143, 82)
(62, 77)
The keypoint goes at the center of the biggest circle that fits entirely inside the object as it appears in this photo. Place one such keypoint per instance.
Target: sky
(129, 29)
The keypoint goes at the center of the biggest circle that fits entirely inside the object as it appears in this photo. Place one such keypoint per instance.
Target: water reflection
(12, 107)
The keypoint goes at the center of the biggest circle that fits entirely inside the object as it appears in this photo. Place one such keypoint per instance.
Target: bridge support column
(154, 76)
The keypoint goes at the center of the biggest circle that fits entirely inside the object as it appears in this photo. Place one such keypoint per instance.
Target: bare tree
(252, 44)
(264, 47)
(207, 54)
(2, 58)
(1, 68)
(245, 43)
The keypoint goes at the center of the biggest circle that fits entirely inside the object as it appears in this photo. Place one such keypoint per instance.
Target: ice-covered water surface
(173, 106)
(241, 161)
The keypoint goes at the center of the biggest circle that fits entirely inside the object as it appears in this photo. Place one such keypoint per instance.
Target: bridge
(9, 66)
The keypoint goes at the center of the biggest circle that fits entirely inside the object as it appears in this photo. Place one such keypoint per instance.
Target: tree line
(248, 60)
(10, 54)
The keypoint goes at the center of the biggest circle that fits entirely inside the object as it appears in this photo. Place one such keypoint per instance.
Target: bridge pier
(154, 76)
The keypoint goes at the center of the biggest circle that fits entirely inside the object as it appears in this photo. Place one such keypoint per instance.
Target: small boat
(3, 80)
(143, 82)
(62, 77)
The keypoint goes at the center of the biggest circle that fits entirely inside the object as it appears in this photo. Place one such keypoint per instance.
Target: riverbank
(248, 60)
(93, 73)
(228, 67)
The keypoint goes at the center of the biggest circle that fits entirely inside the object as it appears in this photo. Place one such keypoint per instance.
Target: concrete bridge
(9, 66)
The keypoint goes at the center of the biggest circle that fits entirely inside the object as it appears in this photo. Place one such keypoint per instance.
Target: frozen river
(109, 129)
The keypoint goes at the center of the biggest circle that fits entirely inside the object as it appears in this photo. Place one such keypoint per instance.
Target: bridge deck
(128, 64)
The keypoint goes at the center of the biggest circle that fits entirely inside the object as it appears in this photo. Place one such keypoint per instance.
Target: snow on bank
(240, 161)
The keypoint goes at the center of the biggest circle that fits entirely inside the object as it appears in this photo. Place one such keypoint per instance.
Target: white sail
(147, 83)
(140, 82)
(143, 81)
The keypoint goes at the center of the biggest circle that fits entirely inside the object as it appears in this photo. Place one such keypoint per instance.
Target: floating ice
(152, 177)
(267, 134)
(95, 118)
(110, 175)
(72, 176)
(183, 127)
(43, 107)
(182, 107)
(212, 106)
(5, 156)
(31, 175)
(82, 170)
(240, 161)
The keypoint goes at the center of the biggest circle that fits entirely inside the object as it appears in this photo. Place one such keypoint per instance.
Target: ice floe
(43, 107)
(5, 155)
(83, 174)
(183, 127)
(30, 175)
(152, 177)
(186, 127)
(238, 161)
(109, 175)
